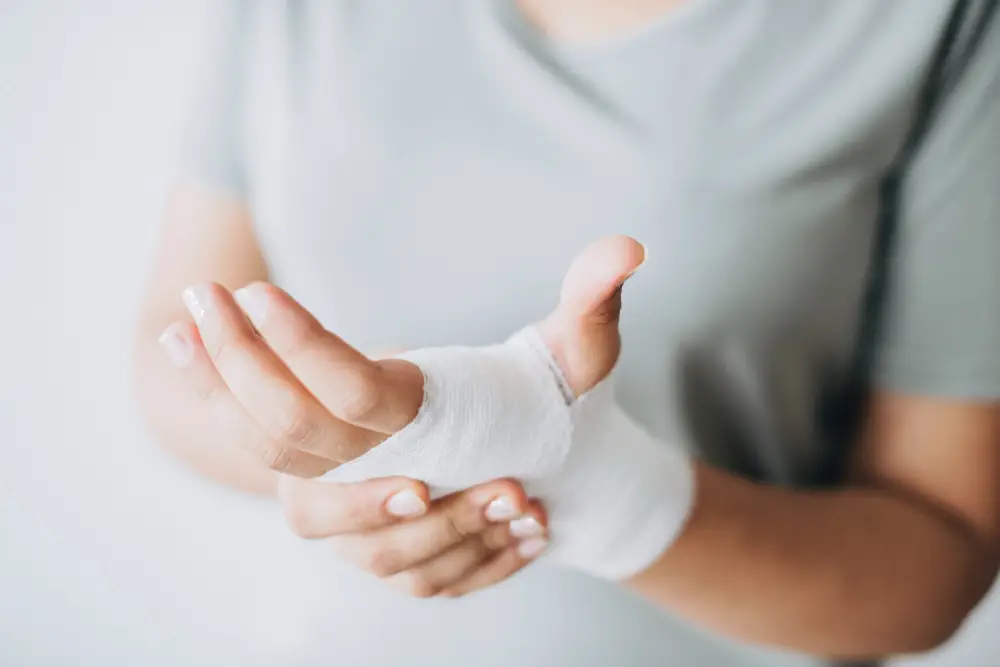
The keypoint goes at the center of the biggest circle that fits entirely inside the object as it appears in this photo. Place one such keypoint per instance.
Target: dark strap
(962, 34)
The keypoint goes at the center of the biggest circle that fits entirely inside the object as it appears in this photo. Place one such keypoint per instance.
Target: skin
(593, 20)
(206, 236)
(891, 563)
(284, 395)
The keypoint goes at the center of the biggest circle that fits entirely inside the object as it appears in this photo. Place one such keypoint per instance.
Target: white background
(109, 553)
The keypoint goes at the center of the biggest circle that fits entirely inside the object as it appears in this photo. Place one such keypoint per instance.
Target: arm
(242, 394)
(205, 236)
(895, 561)
(891, 564)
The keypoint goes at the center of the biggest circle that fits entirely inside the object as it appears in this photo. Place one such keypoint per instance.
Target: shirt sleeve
(941, 330)
(210, 149)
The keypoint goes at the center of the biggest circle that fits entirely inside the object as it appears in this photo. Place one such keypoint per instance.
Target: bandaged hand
(537, 407)
(540, 408)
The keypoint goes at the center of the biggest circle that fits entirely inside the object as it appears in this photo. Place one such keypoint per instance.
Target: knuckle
(383, 563)
(452, 527)
(293, 427)
(464, 518)
(275, 456)
(418, 585)
(231, 350)
(301, 336)
(360, 396)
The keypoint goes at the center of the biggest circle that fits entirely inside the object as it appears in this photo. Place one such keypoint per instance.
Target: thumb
(582, 332)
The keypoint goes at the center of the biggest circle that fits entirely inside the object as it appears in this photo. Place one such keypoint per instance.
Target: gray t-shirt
(422, 173)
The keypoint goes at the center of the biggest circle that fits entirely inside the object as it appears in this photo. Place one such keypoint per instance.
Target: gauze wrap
(615, 498)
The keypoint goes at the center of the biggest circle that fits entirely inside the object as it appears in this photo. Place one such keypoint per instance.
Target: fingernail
(253, 301)
(501, 509)
(642, 261)
(177, 346)
(198, 301)
(526, 526)
(406, 504)
(532, 548)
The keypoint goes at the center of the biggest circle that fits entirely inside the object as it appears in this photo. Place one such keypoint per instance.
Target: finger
(532, 523)
(288, 414)
(382, 395)
(183, 345)
(451, 520)
(527, 539)
(459, 563)
(436, 574)
(596, 274)
(502, 566)
(317, 509)
(582, 332)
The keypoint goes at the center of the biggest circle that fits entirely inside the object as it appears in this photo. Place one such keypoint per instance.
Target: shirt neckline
(677, 18)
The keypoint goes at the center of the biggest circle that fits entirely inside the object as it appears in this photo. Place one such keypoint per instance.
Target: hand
(388, 526)
(451, 547)
(305, 401)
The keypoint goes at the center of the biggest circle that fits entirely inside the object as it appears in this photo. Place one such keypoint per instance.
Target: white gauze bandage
(615, 497)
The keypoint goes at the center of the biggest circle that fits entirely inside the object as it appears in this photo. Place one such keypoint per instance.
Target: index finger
(271, 393)
(382, 395)
(223, 410)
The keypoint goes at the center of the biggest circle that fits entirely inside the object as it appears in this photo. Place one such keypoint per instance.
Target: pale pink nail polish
(526, 526)
(197, 300)
(253, 301)
(532, 548)
(501, 509)
(177, 346)
(405, 504)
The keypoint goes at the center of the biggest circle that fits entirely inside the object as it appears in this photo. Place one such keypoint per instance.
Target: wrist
(622, 498)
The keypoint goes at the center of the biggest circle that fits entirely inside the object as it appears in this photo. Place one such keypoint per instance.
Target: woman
(421, 175)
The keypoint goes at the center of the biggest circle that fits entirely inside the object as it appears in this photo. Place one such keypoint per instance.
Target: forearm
(183, 423)
(206, 236)
(847, 573)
